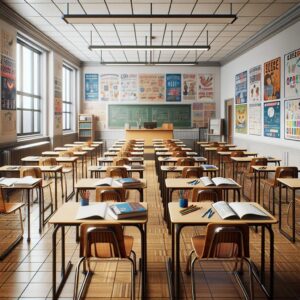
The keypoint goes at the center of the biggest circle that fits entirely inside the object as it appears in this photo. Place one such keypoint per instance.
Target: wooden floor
(26, 272)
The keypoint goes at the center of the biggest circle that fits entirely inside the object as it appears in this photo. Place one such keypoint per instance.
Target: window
(28, 89)
(67, 96)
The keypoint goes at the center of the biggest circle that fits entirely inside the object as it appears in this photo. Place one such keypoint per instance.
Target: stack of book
(129, 182)
(127, 210)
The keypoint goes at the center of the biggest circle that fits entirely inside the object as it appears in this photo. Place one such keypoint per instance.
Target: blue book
(127, 210)
(128, 182)
(208, 167)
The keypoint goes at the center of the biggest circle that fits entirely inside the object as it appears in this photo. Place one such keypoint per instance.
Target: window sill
(30, 138)
(69, 132)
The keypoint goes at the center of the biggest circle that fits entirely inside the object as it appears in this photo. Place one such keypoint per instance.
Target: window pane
(36, 74)
(27, 102)
(19, 99)
(27, 121)
(19, 121)
(18, 66)
(36, 121)
(36, 103)
(27, 70)
(68, 121)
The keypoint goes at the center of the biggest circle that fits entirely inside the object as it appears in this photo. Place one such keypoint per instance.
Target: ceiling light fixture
(137, 63)
(149, 48)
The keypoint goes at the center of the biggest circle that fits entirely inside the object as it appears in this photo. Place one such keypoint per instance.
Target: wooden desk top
(137, 153)
(168, 149)
(104, 168)
(145, 129)
(167, 153)
(66, 214)
(162, 140)
(293, 183)
(183, 183)
(227, 153)
(90, 183)
(164, 146)
(230, 149)
(15, 168)
(131, 158)
(264, 168)
(180, 168)
(248, 159)
(22, 186)
(205, 145)
(196, 216)
(174, 159)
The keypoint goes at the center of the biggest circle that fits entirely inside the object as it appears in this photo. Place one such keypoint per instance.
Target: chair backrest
(48, 161)
(195, 172)
(31, 171)
(120, 161)
(257, 161)
(286, 172)
(199, 195)
(214, 144)
(66, 153)
(117, 195)
(102, 241)
(175, 148)
(125, 154)
(226, 241)
(179, 154)
(2, 202)
(119, 172)
(222, 148)
(185, 161)
(237, 153)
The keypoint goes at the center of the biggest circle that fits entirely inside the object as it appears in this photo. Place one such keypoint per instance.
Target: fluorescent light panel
(150, 19)
(148, 48)
(137, 63)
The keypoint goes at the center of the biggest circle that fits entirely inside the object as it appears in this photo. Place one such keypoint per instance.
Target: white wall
(278, 45)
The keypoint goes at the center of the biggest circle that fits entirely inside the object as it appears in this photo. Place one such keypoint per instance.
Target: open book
(217, 181)
(126, 210)
(28, 180)
(208, 167)
(94, 211)
(238, 210)
(7, 181)
(108, 181)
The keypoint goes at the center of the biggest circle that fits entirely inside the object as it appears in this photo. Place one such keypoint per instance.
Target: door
(229, 120)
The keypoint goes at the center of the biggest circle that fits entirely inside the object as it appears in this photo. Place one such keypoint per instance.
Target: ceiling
(253, 15)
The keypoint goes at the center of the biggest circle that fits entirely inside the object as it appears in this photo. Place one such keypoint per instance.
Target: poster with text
(189, 87)
(255, 84)
(128, 89)
(241, 88)
(255, 119)
(151, 87)
(109, 87)
(173, 87)
(272, 119)
(206, 87)
(292, 119)
(91, 84)
(241, 118)
(272, 79)
(202, 113)
(292, 74)
(8, 83)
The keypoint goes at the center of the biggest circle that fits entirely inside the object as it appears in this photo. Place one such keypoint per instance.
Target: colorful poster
(255, 119)
(241, 88)
(8, 83)
(151, 87)
(173, 87)
(189, 87)
(128, 87)
(255, 84)
(241, 117)
(91, 84)
(206, 87)
(292, 119)
(202, 113)
(292, 74)
(272, 119)
(109, 87)
(272, 79)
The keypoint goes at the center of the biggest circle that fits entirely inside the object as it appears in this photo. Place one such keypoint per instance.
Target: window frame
(68, 102)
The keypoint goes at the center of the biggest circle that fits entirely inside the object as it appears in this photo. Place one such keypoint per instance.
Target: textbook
(7, 181)
(94, 211)
(208, 167)
(217, 181)
(238, 210)
(129, 182)
(108, 181)
(27, 180)
(127, 210)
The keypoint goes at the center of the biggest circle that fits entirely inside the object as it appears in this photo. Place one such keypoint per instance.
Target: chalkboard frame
(186, 105)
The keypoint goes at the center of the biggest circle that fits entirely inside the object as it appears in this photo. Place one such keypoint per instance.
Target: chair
(199, 195)
(117, 172)
(120, 161)
(175, 148)
(124, 154)
(103, 242)
(222, 148)
(67, 167)
(179, 154)
(214, 144)
(6, 209)
(117, 195)
(249, 174)
(241, 169)
(272, 183)
(226, 242)
(185, 161)
(195, 172)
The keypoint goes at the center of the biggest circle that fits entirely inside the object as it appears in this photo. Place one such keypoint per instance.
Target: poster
(272, 79)
(272, 119)
(292, 74)
(292, 119)
(255, 119)
(8, 83)
(241, 88)
(255, 84)
(206, 87)
(151, 87)
(58, 67)
(189, 86)
(173, 87)
(202, 113)
(91, 84)
(128, 89)
(109, 87)
(241, 118)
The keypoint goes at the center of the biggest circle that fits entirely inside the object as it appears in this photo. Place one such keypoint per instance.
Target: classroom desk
(149, 134)
(162, 140)
(44, 169)
(178, 222)
(117, 149)
(134, 153)
(173, 184)
(293, 184)
(66, 216)
(202, 145)
(96, 170)
(109, 160)
(164, 145)
(28, 189)
(211, 151)
(165, 149)
(91, 184)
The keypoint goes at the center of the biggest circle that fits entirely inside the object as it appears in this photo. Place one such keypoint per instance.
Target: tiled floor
(26, 272)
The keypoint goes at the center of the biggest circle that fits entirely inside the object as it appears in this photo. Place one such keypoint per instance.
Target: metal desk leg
(28, 215)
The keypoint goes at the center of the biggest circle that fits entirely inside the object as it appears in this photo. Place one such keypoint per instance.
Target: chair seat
(12, 207)
(66, 170)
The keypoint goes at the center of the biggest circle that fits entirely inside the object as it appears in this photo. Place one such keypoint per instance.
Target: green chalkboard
(120, 114)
